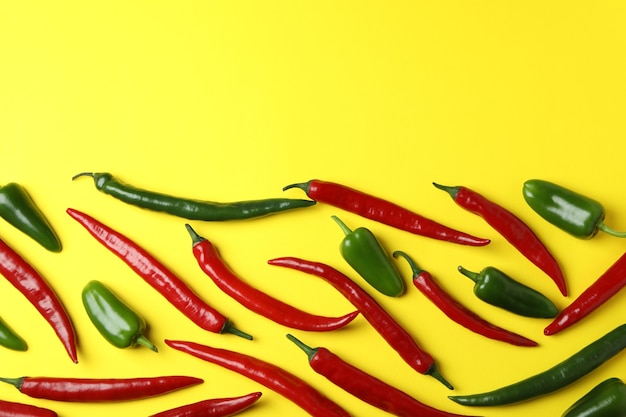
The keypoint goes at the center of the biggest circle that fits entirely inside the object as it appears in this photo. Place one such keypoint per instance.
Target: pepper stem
(195, 237)
(304, 186)
(416, 270)
(453, 191)
(341, 224)
(608, 230)
(435, 374)
(16, 382)
(229, 328)
(310, 352)
(83, 174)
(471, 275)
(143, 341)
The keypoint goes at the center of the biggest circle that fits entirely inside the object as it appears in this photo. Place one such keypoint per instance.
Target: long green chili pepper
(190, 208)
(607, 399)
(564, 373)
(10, 339)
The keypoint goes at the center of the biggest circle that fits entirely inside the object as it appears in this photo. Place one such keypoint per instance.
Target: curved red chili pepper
(395, 335)
(383, 211)
(158, 276)
(214, 407)
(512, 228)
(99, 390)
(603, 288)
(30, 283)
(12, 409)
(212, 264)
(267, 374)
(457, 312)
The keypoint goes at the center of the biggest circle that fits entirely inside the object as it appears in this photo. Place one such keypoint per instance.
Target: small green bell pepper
(368, 258)
(114, 319)
(9, 339)
(498, 289)
(607, 399)
(574, 213)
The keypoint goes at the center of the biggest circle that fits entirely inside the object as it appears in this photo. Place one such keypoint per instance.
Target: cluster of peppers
(124, 328)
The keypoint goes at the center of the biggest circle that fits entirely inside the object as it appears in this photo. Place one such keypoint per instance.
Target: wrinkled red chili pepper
(395, 335)
(512, 228)
(212, 264)
(170, 286)
(456, 311)
(13, 409)
(603, 288)
(214, 407)
(383, 211)
(99, 390)
(30, 283)
(273, 377)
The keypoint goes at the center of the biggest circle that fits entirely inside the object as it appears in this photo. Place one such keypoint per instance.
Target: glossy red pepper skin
(214, 407)
(35, 288)
(600, 291)
(383, 211)
(169, 285)
(512, 228)
(394, 334)
(271, 376)
(13, 409)
(222, 275)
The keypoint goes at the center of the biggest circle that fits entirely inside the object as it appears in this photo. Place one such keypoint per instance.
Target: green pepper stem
(16, 382)
(195, 237)
(341, 224)
(453, 191)
(83, 174)
(608, 230)
(229, 328)
(416, 270)
(143, 341)
(471, 275)
(310, 352)
(435, 374)
(304, 186)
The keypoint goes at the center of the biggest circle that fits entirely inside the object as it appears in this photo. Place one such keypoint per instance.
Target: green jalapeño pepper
(368, 258)
(18, 209)
(9, 339)
(498, 289)
(113, 318)
(607, 399)
(574, 213)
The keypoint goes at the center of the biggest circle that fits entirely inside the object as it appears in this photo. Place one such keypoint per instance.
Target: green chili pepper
(574, 213)
(18, 208)
(368, 258)
(113, 318)
(10, 339)
(607, 399)
(497, 288)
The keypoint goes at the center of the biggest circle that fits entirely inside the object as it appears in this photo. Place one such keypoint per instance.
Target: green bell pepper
(498, 289)
(9, 339)
(607, 399)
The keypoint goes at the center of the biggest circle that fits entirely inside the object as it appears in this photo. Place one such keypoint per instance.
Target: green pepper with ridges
(607, 399)
(10, 339)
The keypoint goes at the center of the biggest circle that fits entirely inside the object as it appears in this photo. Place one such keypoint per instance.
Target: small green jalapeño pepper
(9, 339)
(498, 289)
(113, 318)
(574, 213)
(368, 258)
(607, 399)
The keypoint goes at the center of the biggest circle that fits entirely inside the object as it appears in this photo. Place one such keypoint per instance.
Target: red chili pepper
(383, 211)
(12, 409)
(512, 228)
(212, 264)
(214, 407)
(273, 377)
(605, 287)
(397, 337)
(158, 276)
(99, 390)
(456, 311)
(30, 283)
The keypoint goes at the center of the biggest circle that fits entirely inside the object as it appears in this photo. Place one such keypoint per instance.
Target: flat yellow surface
(230, 101)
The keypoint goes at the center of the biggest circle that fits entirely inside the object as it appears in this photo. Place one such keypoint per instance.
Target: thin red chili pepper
(214, 407)
(13, 409)
(512, 228)
(383, 211)
(170, 286)
(456, 311)
(223, 276)
(34, 287)
(99, 390)
(600, 291)
(273, 377)
(395, 335)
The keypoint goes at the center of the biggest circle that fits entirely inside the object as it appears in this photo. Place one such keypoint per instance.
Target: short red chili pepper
(605, 287)
(13, 409)
(214, 407)
(35, 288)
(512, 228)
(456, 311)
(383, 211)
(170, 286)
(273, 377)
(99, 390)
(395, 335)
(223, 276)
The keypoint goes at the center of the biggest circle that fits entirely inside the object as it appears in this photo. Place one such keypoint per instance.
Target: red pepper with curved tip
(212, 264)
(34, 287)
(456, 311)
(170, 286)
(395, 335)
(383, 211)
(602, 289)
(273, 377)
(13, 409)
(512, 228)
(214, 407)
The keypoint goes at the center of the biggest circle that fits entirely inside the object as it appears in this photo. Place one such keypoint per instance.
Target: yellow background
(231, 101)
